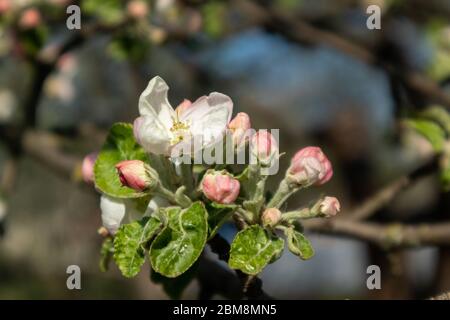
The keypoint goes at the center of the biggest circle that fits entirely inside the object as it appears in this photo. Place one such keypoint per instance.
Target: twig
(383, 197)
(391, 236)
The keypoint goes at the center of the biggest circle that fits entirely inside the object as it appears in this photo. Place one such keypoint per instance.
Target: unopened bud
(271, 217)
(87, 167)
(137, 9)
(30, 18)
(329, 207)
(5, 6)
(264, 147)
(239, 127)
(309, 166)
(220, 187)
(136, 174)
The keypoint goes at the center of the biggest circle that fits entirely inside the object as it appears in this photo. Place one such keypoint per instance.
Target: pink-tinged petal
(87, 167)
(207, 104)
(183, 107)
(133, 174)
(239, 127)
(264, 146)
(330, 207)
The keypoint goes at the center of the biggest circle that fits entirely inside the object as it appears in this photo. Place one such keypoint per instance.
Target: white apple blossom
(192, 126)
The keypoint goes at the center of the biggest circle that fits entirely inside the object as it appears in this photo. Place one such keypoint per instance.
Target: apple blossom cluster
(155, 205)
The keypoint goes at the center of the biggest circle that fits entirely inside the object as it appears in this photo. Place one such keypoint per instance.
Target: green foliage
(120, 145)
(253, 248)
(129, 45)
(106, 253)
(108, 11)
(214, 18)
(181, 241)
(218, 214)
(430, 131)
(32, 40)
(129, 244)
(299, 245)
(438, 114)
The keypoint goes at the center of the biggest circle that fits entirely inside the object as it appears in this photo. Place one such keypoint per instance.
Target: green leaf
(430, 131)
(438, 114)
(174, 287)
(181, 242)
(129, 242)
(253, 248)
(299, 245)
(108, 11)
(218, 214)
(120, 145)
(106, 253)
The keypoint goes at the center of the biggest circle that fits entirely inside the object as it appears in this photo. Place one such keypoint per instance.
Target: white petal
(153, 102)
(153, 136)
(113, 212)
(208, 118)
(206, 104)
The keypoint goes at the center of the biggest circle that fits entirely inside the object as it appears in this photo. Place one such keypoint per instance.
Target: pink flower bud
(271, 217)
(30, 18)
(264, 146)
(87, 167)
(5, 6)
(220, 187)
(134, 174)
(310, 166)
(329, 207)
(239, 127)
(137, 128)
(137, 9)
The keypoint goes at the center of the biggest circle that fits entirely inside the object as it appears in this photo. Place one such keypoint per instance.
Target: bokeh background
(311, 68)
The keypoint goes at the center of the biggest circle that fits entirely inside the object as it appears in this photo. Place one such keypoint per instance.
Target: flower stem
(283, 192)
(187, 176)
(172, 197)
(305, 213)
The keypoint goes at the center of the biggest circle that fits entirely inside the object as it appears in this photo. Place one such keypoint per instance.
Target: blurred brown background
(309, 67)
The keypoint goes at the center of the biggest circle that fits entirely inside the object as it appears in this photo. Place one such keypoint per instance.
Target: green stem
(169, 195)
(299, 214)
(187, 176)
(283, 192)
(247, 215)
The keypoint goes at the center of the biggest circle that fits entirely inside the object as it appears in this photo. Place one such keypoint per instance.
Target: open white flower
(192, 126)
